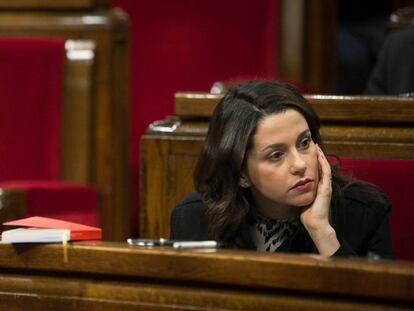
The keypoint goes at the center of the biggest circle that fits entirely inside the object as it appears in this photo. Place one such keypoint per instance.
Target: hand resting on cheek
(315, 217)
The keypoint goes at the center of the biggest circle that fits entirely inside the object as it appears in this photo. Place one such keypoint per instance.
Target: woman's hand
(315, 217)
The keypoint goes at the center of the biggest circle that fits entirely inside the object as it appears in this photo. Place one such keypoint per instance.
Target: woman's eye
(305, 143)
(275, 156)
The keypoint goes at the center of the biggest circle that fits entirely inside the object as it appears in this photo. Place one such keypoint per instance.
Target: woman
(264, 183)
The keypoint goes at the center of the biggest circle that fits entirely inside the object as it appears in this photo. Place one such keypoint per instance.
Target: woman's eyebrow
(304, 133)
(281, 145)
(273, 146)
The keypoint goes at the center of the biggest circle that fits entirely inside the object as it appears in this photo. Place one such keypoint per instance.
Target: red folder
(77, 231)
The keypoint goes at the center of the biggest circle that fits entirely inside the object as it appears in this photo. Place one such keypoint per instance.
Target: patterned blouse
(269, 234)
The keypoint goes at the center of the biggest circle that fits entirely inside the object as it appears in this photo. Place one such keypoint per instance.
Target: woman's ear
(244, 182)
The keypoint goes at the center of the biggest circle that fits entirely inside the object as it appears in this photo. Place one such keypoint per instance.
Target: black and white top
(269, 234)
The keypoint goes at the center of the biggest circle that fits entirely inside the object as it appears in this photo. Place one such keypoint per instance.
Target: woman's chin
(305, 200)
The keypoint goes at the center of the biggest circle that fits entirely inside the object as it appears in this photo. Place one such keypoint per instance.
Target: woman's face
(282, 167)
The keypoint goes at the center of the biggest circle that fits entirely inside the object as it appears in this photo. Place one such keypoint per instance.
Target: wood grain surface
(106, 275)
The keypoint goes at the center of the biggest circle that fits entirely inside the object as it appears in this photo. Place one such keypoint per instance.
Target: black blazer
(361, 224)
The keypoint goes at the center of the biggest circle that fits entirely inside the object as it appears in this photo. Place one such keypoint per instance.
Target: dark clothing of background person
(360, 34)
(394, 71)
(360, 222)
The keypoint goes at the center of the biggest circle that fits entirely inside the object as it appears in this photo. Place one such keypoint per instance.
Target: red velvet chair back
(395, 178)
(30, 95)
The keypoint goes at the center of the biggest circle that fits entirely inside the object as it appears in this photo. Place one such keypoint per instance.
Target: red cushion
(30, 97)
(61, 200)
(395, 177)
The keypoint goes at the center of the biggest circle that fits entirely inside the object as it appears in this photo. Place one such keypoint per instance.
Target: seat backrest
(46, 115)
(30, 96)
(394, 177)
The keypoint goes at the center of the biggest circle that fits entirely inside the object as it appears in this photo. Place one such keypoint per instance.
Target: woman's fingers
(325, 176)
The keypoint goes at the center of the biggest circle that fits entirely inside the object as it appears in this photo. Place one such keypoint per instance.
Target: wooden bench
(114, 276)
(352, 127)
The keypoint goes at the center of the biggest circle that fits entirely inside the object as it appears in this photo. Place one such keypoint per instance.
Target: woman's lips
(303, 185)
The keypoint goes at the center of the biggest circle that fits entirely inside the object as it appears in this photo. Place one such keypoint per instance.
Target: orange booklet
(47, 230)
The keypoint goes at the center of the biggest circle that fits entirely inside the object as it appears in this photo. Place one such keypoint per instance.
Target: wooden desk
(114, 276)
(352, 126)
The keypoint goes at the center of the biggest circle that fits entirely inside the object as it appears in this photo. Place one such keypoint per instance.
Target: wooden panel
(12, 205)
(352, 126)
(109, 30)
(79, 294)
(363, 108)
(290, 58)
(195, 104)
(307, 44)
(372, 142)
(320, 45)
(77, 112)
(114, 276)
(166, 169)
(53, 4)
(329, 107)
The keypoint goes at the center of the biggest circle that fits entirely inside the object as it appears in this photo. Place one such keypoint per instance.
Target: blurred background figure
(361, 31)
(394, 71)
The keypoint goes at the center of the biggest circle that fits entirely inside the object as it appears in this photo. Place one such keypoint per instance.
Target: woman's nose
(297, 164)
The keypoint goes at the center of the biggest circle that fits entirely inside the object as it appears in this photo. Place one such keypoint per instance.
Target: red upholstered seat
(31, 78)
(395, 177)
